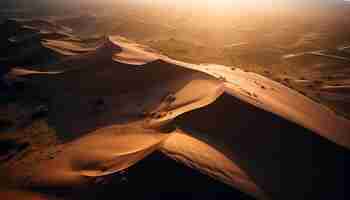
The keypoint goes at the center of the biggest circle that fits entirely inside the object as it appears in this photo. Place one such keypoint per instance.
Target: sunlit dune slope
(269, 148)
(118, 102)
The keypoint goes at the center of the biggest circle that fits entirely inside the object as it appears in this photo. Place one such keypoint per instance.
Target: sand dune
(263, 93)
(339, 88)
(267, 147)
(23, 45)
(84, 111)
(25, 72)
(44, 25)
(67, 48)
(119, 102)
(201, 156)
(92, 156)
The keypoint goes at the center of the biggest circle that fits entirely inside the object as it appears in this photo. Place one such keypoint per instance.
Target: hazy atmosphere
(155, 99)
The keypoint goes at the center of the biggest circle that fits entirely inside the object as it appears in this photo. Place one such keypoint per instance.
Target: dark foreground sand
(117, 103)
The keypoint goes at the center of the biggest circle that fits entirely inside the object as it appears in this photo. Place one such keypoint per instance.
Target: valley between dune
(118, 102)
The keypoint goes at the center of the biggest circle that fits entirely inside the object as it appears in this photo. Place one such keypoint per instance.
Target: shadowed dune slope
(118, 103)
(127, 93)
(22, 43)
(280, 156)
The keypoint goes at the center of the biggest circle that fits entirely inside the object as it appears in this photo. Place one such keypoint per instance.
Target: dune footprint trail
(238, 127)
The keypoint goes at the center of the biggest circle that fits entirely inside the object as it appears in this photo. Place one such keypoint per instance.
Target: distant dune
(118, 102)
(111, 103)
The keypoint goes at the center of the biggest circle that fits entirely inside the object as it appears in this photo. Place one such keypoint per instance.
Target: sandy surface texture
(82, 111)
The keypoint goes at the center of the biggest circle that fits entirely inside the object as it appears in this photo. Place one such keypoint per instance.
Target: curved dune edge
(66, 48)
(17, 73)
(112, 148)
(25, 72)
(269, 95)
(288, 104)
(201, 156)
(132, 54)
(273, 96)
(93, 156)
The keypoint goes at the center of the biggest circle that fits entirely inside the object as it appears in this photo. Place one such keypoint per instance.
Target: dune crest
(229, 122)
(131, 53)
(257, 90)
(66, 48)
(208, 160)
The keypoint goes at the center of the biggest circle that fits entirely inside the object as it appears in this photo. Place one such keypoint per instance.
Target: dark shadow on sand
(286, 160)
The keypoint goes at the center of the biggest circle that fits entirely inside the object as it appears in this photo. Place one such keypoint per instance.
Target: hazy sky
(187, 3)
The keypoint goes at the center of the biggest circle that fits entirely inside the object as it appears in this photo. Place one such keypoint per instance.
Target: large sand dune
(118, 102)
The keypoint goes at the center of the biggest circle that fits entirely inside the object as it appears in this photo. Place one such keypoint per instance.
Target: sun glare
(220, 4)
